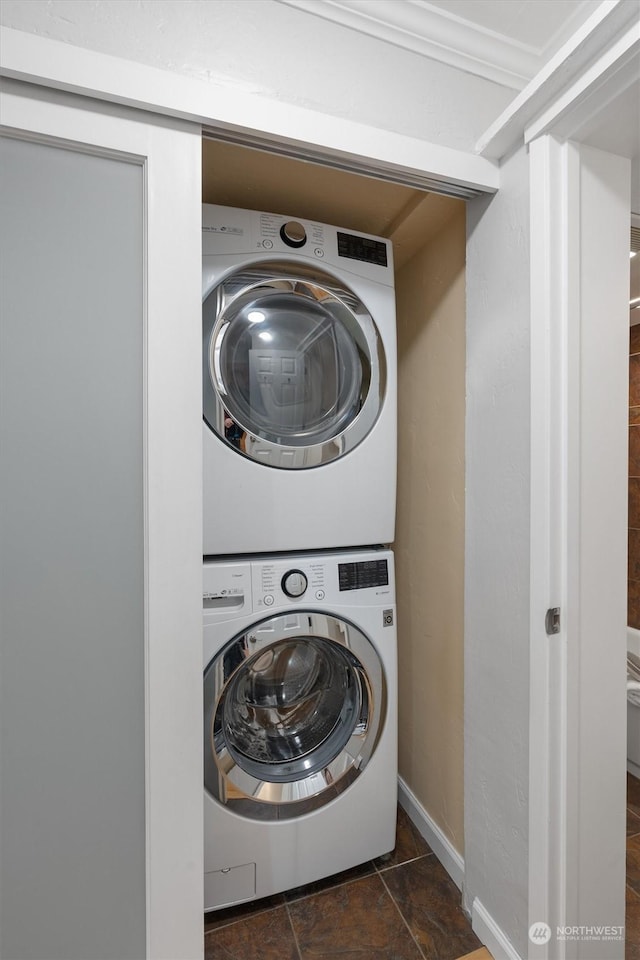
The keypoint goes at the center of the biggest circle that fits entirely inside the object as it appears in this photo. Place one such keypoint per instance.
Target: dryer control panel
(230, 231)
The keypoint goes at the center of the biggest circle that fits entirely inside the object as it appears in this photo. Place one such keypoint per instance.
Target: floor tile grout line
(404, 919)
(293, 931)
(392, 866)
(335, 886)
(247, 916)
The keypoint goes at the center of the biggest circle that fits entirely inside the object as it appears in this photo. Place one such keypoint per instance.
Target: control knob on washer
(293, 234)
(294, 583)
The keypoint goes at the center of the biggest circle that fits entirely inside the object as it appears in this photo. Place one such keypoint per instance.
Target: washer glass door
(293, 710)
(294, 370)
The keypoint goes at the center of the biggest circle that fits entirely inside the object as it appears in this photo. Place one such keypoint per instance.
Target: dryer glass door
(294, 370)
(293, 709)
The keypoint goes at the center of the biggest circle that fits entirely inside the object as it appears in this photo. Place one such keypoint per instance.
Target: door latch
(552, 621)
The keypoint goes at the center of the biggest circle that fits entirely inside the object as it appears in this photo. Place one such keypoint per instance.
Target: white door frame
(579, 375)
(169, 153)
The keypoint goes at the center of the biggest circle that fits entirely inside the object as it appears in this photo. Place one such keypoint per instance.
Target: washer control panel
(263, 585)
(307, 580)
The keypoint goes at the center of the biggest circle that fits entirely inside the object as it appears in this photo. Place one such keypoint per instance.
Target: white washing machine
(300, 729)
(299, 399)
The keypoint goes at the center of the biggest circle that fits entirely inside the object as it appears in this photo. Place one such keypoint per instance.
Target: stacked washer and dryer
(299, 426)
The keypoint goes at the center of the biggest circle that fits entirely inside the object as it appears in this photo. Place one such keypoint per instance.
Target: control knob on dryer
(294, 583)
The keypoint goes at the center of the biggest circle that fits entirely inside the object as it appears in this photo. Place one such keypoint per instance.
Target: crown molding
(432, 32)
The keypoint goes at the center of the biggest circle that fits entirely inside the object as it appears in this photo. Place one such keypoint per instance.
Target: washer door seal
(294, 707)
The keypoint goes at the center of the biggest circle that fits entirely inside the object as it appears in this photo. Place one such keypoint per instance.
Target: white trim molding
(431, 832)
(618, 68)
(552, 269)
(604, 44)
(436, 33)
(489, 933)
(266, 123)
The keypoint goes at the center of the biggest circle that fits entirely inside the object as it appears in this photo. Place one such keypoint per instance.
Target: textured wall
(497, 554)
(277, 52)
(430, 524)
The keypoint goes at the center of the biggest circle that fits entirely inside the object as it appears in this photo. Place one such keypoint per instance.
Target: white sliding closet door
(100, 532)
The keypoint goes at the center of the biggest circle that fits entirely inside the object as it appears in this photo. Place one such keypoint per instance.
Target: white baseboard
(429, 829)
(491, 935)
(633, 768)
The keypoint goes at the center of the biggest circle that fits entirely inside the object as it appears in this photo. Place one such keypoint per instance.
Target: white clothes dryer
(300, 720)
(299, 373)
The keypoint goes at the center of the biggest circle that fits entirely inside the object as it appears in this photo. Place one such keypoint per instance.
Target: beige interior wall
(429, 542)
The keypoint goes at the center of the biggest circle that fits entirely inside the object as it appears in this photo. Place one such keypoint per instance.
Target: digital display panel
(363, 574)
(362, 248)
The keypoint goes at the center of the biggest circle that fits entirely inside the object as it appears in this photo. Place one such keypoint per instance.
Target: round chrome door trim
(260, 783)
(339, 420)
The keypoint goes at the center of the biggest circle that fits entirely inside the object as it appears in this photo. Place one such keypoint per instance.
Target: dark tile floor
(400, 907)
(403, 906)
(632, 951)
